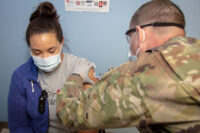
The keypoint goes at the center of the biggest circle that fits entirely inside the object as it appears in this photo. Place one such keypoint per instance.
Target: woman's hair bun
(46, 10)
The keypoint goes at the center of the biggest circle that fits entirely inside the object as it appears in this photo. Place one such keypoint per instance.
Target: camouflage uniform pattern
(159, 92)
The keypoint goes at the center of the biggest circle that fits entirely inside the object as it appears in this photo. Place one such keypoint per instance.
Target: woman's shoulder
(69, 55)
(74, 58)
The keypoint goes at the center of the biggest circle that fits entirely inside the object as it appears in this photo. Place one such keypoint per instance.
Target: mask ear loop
(138, 50)
(143, 35)
(61, 47)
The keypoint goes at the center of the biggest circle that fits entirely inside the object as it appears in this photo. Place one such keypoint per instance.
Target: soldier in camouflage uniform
(158, 93)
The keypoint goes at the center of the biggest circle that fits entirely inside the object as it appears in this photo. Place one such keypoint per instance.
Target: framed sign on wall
(87, 5)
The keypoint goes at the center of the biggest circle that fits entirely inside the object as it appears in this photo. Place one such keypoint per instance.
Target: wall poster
(87, 5)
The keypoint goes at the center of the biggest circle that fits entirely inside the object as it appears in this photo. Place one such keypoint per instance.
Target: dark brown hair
(44, 20)
(158, 11)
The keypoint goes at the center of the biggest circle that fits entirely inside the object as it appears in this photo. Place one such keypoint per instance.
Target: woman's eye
(52, 51)
(36, 53)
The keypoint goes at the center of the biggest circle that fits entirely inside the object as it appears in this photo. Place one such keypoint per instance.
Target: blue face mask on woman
(47, 64)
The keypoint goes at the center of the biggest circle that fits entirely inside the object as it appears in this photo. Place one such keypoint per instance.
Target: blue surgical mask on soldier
(47, 64)
(131, 56)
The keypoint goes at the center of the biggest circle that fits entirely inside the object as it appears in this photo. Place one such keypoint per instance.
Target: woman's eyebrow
(52, 48)
(35, 50)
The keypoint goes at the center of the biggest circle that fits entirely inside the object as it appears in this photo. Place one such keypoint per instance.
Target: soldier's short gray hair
(158, 11)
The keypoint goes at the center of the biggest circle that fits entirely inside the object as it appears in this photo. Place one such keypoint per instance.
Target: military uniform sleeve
(161, 87)
(111, 102)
